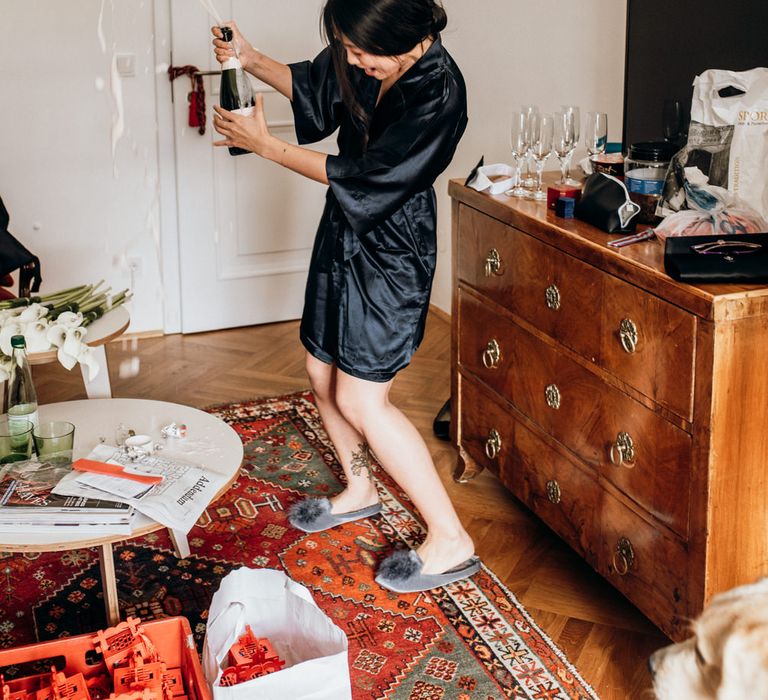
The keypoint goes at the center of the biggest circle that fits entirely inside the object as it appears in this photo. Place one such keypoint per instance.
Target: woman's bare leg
(402, 451)
(350, 446)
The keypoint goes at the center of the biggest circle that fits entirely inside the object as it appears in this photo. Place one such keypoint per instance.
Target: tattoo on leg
(361, 460)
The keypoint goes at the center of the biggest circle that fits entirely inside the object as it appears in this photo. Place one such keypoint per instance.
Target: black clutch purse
(702, 259)
(605, 203)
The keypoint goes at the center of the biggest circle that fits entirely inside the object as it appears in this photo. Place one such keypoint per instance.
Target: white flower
(36, 336)
(87, 358)
(10, 328)
(56, 334)
(72, 347)
(70, 319)
(33, 312)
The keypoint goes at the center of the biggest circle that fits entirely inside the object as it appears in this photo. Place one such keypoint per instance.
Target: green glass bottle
(20, 394)
(235, 94)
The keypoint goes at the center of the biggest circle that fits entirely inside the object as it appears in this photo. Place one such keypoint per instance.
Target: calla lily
(73, 341)
(9, 329)
(67, 361)
(87, 358)
(56, 335)
(33, 312)
(36, 336)
(70, 319)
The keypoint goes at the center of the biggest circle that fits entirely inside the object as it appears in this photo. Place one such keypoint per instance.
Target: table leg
(109, 584)
(180, 543)
(100, 387)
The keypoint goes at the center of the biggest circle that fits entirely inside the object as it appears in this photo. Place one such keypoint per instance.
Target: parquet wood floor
(603, 634)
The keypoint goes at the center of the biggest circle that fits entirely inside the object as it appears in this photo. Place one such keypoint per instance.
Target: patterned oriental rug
(468, 641)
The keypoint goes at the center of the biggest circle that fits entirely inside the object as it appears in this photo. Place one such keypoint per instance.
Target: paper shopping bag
(313, 648)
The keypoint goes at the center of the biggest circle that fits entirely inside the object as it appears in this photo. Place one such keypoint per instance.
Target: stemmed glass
(542, 137)
(563, 144)
(573, 110)
(596, 135)
(530, 112)
(519, 142)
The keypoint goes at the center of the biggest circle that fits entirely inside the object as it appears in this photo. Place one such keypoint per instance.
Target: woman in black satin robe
(398, 100)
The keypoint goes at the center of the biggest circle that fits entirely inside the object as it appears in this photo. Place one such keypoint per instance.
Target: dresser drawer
(487, 429)
(552, 291)
(632, 446)
(649, 343)
(559, 492)
(485, 255)
(649, 567)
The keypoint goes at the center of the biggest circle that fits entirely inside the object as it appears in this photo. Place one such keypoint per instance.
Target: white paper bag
(314, 649)
(747, 115)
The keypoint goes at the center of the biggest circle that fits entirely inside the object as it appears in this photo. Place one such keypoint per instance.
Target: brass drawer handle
(492, 354)
(552, 396)
(553, 491)
(623, 556)
(552, 297)
(493, 444)
(493, 263)
(628, 335)
(623, 451)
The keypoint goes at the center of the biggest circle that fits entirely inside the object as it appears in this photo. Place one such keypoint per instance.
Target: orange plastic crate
(172, 638)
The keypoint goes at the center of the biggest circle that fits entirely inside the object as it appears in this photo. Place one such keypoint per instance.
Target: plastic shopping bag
(314, 649)
(727, 139)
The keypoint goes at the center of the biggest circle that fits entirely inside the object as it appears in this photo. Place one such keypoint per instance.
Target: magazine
(176, 502)
(27, 497)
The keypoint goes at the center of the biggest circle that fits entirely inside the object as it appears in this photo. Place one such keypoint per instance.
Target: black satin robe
(373, 259)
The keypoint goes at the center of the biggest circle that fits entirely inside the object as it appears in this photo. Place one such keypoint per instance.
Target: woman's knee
(320, 378)
(359, 401)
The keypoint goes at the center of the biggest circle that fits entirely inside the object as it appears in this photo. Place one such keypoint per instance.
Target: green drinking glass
(54, 441)
(15, 440)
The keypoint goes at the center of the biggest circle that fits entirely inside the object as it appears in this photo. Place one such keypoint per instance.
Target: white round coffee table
(210, 443)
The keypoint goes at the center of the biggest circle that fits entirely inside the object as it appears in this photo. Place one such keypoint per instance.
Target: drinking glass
(15, 440)
(519, 143)
(573, 110)
(596, 132)
(563, 143)
(541, 148)
(54, 441)
(530, 112)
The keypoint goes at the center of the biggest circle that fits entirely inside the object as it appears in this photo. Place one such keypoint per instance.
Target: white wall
(86, 213)
(515, 52)
(82, 212)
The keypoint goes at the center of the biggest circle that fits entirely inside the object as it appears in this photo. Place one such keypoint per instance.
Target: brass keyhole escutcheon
(552, 297)
(623, 451)
(492, 354)
(553, 491)
(493, 263)
(493, 444)
(628, 335)
(623, 556)
(552, 396)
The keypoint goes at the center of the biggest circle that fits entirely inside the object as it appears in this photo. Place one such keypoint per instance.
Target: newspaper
(176, 502)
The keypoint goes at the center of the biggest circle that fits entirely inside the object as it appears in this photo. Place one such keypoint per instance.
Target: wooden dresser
(628, 411)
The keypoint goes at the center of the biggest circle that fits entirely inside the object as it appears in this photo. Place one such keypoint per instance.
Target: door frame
(167, 176)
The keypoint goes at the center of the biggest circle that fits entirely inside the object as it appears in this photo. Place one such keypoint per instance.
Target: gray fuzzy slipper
(314, 515)
(401, 572)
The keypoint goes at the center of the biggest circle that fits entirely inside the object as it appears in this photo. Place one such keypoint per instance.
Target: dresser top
(641, 264)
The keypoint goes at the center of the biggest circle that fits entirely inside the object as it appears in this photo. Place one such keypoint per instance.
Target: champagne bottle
(236, 94)
(20, 395)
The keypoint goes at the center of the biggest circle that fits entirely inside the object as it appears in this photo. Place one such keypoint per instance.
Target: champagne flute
(519, 143)
(563, 143)
(596, 135)
(541, 149)
(573, 110)
(530, 112)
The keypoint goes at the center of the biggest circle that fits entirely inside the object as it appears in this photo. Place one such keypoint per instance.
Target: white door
(246, 226)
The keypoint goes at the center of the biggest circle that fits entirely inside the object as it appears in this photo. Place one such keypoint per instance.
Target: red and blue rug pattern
(471, 640)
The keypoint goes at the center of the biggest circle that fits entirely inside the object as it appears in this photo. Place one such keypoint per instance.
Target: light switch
(126, 64)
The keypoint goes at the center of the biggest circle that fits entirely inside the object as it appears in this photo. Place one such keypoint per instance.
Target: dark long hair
(380, 27)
